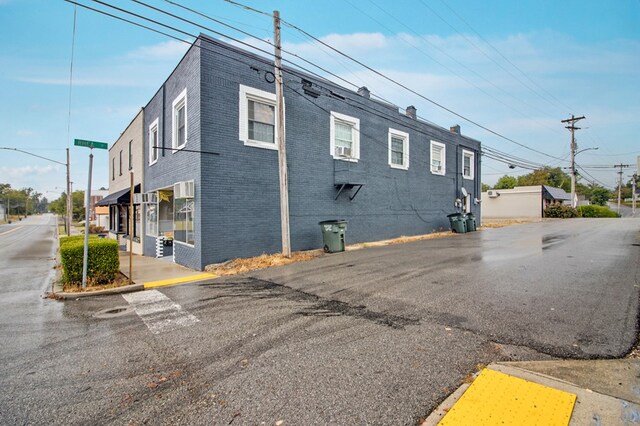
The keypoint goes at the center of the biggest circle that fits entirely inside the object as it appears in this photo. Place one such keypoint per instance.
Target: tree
(485, 187)
(506, 182)
(59, 206)
(600, 196)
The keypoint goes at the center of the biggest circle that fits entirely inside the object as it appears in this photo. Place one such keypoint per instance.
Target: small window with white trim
(345, 137)
(179, 124)
(258, 118)
(467, 164)
(153, 142)
(398, 149)
(438, 157)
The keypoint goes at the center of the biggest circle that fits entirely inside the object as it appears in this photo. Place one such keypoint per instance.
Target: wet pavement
(374, 336)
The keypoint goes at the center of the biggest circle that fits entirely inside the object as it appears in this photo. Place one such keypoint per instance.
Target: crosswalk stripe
(158, 312)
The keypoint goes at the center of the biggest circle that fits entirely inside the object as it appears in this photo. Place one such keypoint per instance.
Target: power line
(560, 103)
(445, 53)
(500, 156)
(495, 133)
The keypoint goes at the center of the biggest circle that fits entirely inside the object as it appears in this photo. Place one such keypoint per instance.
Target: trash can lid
(455, 215)
(332, 222)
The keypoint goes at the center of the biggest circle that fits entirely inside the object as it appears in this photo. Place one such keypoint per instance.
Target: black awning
(118, 197)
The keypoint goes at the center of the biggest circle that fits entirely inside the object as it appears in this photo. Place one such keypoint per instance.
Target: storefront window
(152, 219)
(183, 227)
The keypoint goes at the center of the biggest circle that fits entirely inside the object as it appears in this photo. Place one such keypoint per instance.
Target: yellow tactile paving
(499, 399)
(172, 281)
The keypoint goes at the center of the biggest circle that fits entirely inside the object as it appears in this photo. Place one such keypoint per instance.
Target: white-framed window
(438, 158)
(184, 213)
(153, 142)
(151, 213)
(467, 164)
(179, 121)
(398, 149)
(258, 118)
(345, 137)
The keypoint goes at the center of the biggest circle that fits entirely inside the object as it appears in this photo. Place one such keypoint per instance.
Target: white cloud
(28, 171)
(25, 133)
(357, 42)
(171, 50)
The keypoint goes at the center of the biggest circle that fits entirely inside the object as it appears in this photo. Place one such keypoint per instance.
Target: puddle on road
(115, 312)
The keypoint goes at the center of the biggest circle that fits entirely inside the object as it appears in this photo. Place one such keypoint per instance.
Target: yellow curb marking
(496, 398)
(11, 230)
(171, 281)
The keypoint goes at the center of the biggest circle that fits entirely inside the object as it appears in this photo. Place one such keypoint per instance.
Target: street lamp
(573, 170)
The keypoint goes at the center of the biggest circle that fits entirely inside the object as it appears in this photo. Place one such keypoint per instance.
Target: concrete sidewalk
(606, 392)
(147, 272)
(153, 272)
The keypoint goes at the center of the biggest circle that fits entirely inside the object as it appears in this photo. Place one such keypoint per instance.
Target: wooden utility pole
(131, 233)
(622, 166)
(280, 137)
(574, 146)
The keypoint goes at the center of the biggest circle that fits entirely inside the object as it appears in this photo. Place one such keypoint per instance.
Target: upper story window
(345, 137)
(113, 168)
(179, 121)
(467, 164)
(120, 166)
(398, 149)
(438, 158)
(258, 118)
(130, 155)
(153, 142)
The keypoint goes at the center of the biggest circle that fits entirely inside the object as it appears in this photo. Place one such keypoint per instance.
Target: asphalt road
(374, 336)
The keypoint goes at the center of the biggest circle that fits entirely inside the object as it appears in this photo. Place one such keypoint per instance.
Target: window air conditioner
(342, 151)
(183, 189)
(493, 193)
(149, 197)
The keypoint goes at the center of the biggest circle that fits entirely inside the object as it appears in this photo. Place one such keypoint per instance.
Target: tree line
(554, 176)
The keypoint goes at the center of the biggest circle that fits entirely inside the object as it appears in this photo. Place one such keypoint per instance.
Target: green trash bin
(458, 223)
(333, 235)
(471, 222)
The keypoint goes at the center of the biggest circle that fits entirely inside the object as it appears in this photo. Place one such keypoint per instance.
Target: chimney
(455, 129)
(364, 92)
(411, 112)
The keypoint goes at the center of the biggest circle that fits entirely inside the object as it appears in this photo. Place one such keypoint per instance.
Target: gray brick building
(212, 185)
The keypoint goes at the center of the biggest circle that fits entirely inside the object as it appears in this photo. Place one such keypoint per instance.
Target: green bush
(74, 239)
(560, 211)
(596, 211)
(103, 262)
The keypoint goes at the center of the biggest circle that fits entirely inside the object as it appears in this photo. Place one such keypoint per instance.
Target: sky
(515, 68)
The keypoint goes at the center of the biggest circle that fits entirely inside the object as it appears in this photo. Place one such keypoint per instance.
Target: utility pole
(280, 136)
(574, 146)
(131, 225)
(69, 201)
(620, 183)
(633, 193)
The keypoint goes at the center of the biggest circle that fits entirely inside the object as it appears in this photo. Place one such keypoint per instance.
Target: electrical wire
(403, 86)
(499, 156)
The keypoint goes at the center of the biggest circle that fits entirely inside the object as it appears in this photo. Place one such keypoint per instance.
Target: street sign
(90, 144)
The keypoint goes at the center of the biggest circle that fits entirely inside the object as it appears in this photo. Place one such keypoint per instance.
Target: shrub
(103, 262)
(596, 211)
(560, 211)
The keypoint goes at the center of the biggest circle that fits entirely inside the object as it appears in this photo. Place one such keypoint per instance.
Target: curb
(117, 290)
